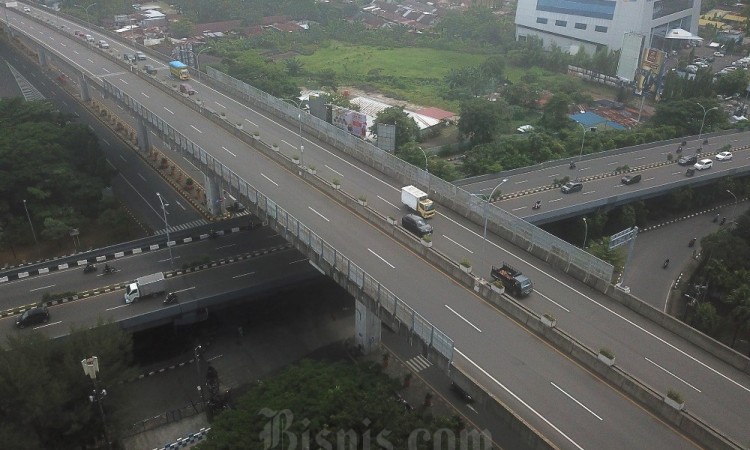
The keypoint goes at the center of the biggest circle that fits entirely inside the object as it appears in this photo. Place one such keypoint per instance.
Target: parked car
(719, 54)
(631, 179)
(571, 186)
(416, 225)
(687, 160)
(140, 56)
(724, 156)
(33, 316)
(703, 164)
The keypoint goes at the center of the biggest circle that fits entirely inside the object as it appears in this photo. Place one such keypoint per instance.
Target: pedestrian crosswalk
(418, 363)
(184, 226)
(27, 89)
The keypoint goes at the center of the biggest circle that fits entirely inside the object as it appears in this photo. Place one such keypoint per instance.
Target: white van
(103, 44)
(89, 38)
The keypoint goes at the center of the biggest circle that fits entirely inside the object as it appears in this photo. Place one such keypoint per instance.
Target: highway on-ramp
(572, 407)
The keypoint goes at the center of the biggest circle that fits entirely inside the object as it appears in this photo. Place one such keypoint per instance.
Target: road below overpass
(569, 404)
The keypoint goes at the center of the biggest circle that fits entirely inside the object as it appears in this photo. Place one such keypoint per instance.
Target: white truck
(144, 286)
(417, 201)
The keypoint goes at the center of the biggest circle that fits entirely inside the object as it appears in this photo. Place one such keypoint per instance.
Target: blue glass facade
(598, 9)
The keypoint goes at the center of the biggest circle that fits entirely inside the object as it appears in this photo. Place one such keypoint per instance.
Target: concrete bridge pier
(213, 196)
(84, 88)
(367, 327)
(41, 54)
(143, 141)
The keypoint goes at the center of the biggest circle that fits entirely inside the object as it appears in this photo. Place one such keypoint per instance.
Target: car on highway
(128, 57)
(571, 186)
(33, 316)
(703, 164)
(103, 44)
(151, 70)
(416, 225)
(26, 9)
(140, 56)
(687, 160)
(723, 156)
(631, 179)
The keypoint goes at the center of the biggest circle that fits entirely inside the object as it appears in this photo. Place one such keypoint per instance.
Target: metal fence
(381, 160)
(291, 228)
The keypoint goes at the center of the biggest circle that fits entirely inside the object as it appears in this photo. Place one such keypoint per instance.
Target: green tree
(293, 66)
(555, 115)
(182, 28)
(705, 318)
(481, 119)
(739, 300)
(407, 129)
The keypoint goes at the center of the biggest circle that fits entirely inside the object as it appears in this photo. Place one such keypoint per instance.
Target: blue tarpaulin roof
(589, 119)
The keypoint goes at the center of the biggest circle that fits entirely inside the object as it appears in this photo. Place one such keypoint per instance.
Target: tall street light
(86, 8)
(585, 232)
(705, 112)
(299, 117)
(426, 169)
(91, 368)
(734, 208)
(36, 243)
(580, 155)
(197, 64)
(198, 351)
(486, 215)
(164, 210)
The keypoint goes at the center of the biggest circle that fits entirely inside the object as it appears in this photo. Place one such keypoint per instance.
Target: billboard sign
(649, 73)
(352, 121)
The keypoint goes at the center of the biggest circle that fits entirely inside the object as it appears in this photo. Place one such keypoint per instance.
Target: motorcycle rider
(107, 268)
(538, 204)
(666, 263)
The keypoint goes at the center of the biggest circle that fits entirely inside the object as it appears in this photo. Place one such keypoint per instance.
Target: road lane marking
(264, 176)
(458, 244)
(167, 259)
(517, 398)
(463, 318)
(92, 62)
(588, 192)
(519, 208)
(168, 110)
(287, 143)
(381, 198)
(48, 324)
(123, 158)
(579, 403)
(521, 182)
(106, 142)
(221, 105)
(40, 288)
(74, 51)
(665, 370)
(142, 177)
(299, 260)
(180, 204)
(553, 175)
(334, 171)
(381, 258)
(199, 131)
(225, 246)
(251, 122)
(553, 302)
(244, 275)
(321, 215)
(143, 94)
(227, 150)
(118, 306)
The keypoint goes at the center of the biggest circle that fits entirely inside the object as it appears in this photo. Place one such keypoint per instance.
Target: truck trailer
(145, 286)
(179, 70)
(514, 281)
(417, 201)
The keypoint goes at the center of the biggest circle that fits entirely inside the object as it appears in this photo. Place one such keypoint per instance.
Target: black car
(416, 225)
(33, 316)
(687, 160)
(631, 179)
(571, 186)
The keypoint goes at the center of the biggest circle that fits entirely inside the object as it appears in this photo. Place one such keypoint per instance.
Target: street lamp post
(164, 210)
(33, 233)
(91, 368)
(585, 232)
(734, 208)
(426, 169)
(197, 64)
(486, 215)
(580, 155)
(298, 104)
(705, 112)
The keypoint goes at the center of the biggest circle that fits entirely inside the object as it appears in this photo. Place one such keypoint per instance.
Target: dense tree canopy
(321, 400)
(407, 129)
(44, 393)
(54, 165)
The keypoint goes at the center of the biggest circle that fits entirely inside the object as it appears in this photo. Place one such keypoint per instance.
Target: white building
(594, 24)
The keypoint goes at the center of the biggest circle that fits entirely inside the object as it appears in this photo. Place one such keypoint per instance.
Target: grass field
(412, 74)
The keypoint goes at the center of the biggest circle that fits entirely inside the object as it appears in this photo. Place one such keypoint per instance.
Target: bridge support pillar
(213, 196)
(367, 327)
(84, 87)
(143, 140)
(41, 56)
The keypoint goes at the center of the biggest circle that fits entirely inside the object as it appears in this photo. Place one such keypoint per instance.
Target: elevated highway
(572, 405)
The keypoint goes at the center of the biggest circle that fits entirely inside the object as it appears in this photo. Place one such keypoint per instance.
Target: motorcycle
(692, 242)
(723, 221)
(537, 205)
(679, 149)
(108, 270)
(89, 268)
(170, 298)
(572, 165)
(666, 263)
(705, 141)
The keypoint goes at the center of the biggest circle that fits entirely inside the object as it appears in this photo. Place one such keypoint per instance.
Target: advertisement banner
(649, 73)
(352, 121)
